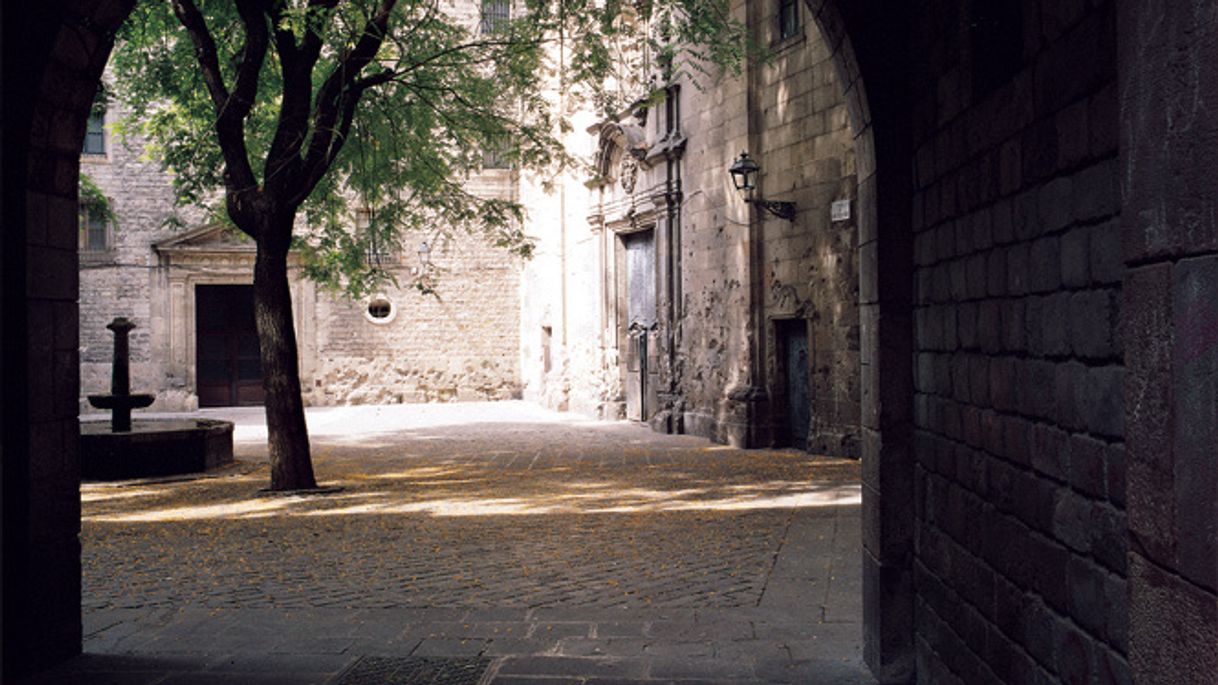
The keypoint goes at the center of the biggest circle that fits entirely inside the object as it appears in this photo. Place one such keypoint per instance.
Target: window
(547, 339)
(788, 18)
(672, 110)
(380, 310)
(95, 135)
(491, 159)
(495, 15)
(376, 253)
(94, 229)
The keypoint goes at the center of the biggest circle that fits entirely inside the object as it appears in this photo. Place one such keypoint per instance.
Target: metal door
(229, 367)
(793, 345)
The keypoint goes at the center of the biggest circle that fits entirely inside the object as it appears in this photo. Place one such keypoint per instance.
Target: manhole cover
(415, 670)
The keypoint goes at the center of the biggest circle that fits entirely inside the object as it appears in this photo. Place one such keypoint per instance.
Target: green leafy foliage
(410, 124)
(94, 200)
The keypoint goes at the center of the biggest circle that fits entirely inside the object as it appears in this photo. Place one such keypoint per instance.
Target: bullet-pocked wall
(738, 294)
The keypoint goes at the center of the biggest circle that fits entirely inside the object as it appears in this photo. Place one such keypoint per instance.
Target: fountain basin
(154, 447)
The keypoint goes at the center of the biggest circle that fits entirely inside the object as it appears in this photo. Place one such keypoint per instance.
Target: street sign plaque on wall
(840, 210)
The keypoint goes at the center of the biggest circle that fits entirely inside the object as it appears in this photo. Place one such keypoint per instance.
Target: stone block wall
(740, 280)
(563, 305)
(1168, 170)
(717, 355)
(810, 265)
(46, 105)
(1020, 569)
(460, 344)
(124, 280)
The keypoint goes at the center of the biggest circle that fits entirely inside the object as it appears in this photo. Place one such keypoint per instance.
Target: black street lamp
(744, 173)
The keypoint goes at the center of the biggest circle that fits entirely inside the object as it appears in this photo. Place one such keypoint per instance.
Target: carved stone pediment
(210, 239)
(621, 144)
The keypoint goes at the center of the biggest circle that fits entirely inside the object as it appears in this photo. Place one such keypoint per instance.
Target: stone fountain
(145, 447)
(119, 400)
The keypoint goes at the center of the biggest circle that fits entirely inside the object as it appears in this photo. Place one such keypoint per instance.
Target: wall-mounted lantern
(744, 172)
(424, 256)
(424, 267)
(424, 272)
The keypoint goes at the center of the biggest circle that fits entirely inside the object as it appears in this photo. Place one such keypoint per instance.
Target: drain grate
(415, 670)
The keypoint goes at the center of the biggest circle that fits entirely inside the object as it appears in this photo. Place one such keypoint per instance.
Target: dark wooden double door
(227, 356)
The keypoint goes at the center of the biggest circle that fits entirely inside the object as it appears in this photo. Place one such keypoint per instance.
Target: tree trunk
(287, 435)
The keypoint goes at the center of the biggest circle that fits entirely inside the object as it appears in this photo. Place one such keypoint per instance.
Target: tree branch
(338, 95)
(231, 108)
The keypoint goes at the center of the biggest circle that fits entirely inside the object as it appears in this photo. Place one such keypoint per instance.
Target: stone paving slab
(564, 550)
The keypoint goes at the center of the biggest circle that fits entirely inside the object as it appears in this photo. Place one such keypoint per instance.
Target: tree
(273, 109)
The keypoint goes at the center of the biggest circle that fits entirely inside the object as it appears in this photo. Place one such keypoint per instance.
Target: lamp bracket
(782, 210)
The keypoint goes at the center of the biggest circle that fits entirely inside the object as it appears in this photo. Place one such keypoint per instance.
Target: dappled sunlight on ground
(505, 459)
(480, 489)
(422, 510)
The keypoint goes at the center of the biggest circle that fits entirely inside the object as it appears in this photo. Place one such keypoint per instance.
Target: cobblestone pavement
(564, 550)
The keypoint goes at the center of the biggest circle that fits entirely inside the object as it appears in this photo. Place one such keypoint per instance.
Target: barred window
(95, 135)
(492, 159)
(495, 15)
(376, 254)
(788, 18)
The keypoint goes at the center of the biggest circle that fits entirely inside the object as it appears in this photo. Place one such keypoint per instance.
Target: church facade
(664, 294)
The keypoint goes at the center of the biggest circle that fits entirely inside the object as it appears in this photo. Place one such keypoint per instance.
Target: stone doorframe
(187, 265)
(637, 189)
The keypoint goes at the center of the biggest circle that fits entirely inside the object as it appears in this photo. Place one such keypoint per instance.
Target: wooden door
(229, 368)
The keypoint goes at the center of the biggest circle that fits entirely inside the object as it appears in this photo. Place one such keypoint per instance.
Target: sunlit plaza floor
(540, 547)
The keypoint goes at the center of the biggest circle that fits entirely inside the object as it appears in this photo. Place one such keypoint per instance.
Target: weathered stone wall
(460, 344)
(810, 265)
(730, 271)
(562, 293)
(1020, 568)
(742, 275)
(53, 55)
(717, 349)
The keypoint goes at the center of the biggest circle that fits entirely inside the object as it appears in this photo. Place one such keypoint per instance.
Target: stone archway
(871, 73)
(64, 47)
(54, 56)
(55, 52)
